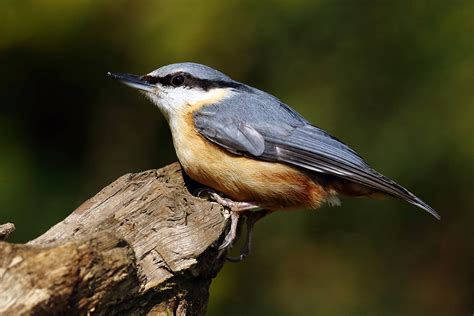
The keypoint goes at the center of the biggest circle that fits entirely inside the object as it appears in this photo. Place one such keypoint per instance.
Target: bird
(253, 152)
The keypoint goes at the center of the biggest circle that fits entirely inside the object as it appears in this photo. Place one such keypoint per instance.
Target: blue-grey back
(256, 124)
(272, 118)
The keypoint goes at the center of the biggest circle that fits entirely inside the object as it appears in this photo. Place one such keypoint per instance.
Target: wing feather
(262, 127)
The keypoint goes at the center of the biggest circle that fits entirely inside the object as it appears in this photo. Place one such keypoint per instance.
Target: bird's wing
(260, 126)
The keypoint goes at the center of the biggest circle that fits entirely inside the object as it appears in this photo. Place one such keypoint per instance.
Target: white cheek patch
(183, 97)
(178, 100)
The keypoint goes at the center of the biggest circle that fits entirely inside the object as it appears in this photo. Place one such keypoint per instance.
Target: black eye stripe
(150, 79)
(191, 82)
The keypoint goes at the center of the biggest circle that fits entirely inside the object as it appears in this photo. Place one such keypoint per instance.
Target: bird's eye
(177, 80)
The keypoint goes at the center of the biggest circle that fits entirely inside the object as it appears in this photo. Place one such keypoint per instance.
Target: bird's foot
(250, 219)
(234, 206)
(204, 192)
(237, 210)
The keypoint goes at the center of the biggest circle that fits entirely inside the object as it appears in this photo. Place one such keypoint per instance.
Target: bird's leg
(232, 233)
(237, 210)
(250, 218)
(234, 206)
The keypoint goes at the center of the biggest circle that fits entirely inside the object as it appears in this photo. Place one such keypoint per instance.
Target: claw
(232, 234)
(233, 205)
(237, 210)
(251, 219)
(200, 192)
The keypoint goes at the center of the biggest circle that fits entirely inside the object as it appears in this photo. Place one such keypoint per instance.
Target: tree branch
(142, 245)
(6, 230)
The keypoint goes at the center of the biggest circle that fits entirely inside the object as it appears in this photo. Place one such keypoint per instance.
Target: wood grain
(143, 245)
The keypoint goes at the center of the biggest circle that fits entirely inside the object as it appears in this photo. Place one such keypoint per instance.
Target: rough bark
(142, 245)
(6, 230)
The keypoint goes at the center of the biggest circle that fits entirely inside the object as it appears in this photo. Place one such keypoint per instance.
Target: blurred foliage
(393, 79)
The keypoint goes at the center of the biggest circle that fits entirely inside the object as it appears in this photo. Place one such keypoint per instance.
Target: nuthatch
(253, 148)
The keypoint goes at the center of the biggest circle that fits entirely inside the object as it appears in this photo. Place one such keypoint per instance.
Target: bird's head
(176, 87)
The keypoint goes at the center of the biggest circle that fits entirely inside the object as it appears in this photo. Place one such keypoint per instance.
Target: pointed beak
(133, 81)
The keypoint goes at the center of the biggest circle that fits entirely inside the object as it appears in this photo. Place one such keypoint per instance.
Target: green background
(392, 79)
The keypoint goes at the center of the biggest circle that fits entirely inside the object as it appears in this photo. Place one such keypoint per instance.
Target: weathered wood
(143, 245)
(6, 230)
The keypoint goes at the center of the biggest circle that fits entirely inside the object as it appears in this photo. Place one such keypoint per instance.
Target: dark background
(393, 79)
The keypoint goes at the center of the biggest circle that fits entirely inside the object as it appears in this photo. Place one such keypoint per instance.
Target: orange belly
(271, 185)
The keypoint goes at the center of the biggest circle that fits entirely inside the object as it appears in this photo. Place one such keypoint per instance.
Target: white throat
(176, 102)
